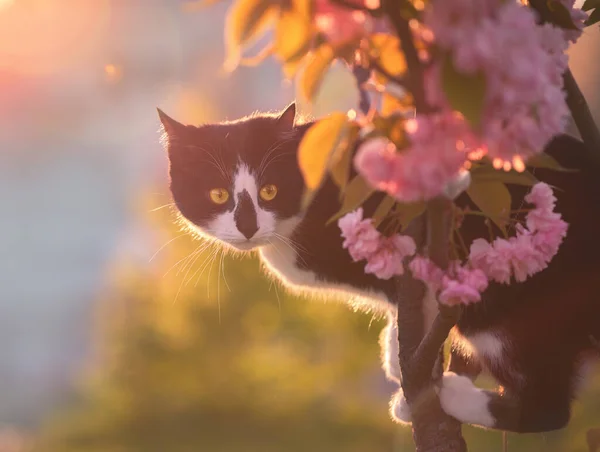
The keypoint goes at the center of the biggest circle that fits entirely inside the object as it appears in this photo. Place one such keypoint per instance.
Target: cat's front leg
(388, 341)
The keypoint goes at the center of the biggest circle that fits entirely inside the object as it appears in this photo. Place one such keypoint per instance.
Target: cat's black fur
(547, 324)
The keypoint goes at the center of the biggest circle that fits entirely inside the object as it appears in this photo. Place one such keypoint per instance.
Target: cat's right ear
(172, 128)
(287, 118)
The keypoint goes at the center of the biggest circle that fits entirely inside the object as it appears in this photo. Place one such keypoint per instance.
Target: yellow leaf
(341, 159)
(293, 35)
(385, 49)
(316, 68)
(355, 194)
(304, 7)
(492, 198)
(246, 19)
(317, 146)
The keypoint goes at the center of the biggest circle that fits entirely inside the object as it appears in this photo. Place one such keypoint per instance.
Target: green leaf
(594, 18)
(561, 15)
(293, 33)
(383, 209)
(341, 158)
(317, 146)
(316, 68)
(489, 173)
(493, 199)
(590, 4)
(246, 19)
(465, 92)
(544, 160)
(355, 194)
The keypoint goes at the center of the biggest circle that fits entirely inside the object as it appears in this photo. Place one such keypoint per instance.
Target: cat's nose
(245, 215)
(248, 229)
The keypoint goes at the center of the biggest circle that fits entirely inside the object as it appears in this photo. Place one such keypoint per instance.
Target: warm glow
(113, 73)
(5, 3)
(411, 126)
(498, 163)
(518, 164)
(477, 154)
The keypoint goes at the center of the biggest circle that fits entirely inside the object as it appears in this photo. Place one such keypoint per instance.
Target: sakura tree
(454, 95)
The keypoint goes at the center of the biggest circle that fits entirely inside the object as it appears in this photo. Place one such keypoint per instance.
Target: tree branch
(393, 9)
(580, 111)
(420, 351)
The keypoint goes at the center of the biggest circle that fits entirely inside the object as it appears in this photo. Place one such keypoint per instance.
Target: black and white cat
(239, 183)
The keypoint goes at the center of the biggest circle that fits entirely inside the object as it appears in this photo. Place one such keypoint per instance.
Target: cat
(239, 183)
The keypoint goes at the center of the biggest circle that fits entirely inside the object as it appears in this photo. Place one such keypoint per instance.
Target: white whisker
(162, 247)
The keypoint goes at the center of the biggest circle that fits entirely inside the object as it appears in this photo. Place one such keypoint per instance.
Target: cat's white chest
(280, 261)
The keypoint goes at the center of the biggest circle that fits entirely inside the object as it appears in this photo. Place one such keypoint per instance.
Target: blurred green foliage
(238, 365)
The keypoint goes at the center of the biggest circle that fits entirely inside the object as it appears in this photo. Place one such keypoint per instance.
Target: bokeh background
(110, 339)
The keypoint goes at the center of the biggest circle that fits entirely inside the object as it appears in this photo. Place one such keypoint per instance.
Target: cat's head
(237, 182)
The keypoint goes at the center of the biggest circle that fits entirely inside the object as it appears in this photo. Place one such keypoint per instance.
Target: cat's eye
(219, 195)
(268, 192)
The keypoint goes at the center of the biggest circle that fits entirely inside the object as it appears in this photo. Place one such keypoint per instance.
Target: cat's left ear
(287, 118)
(172, 127)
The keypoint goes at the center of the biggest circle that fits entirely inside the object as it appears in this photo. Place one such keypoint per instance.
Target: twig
(392, 8)
(580, 110)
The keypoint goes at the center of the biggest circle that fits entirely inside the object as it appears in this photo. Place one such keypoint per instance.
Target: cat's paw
(399, 409)
(461, 399)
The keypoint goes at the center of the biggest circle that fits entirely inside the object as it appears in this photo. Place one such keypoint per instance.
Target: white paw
(399, 409)
(461, 399)
(389, 350)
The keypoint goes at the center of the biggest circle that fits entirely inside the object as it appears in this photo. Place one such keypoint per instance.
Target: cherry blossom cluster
(438, 150)
(518, 257)
(522, 63)
(384, 255)
(531, 249)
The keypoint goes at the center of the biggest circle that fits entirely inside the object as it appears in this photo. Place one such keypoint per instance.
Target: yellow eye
(219, 195)
(268, 192)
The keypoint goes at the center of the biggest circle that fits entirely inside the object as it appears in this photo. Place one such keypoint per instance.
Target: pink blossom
(361, 238)
(387, 260)
(494, 263)
(541, 196)
(375, 160)
(384, 255)
(549, 240)
(458, 284)
(424, 269)
(531, 249)
(455, 292)
(340, 24)
(438, 145)
(522, 62)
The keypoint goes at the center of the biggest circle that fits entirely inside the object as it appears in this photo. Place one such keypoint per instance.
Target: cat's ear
(172, 127)
(287, 118)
